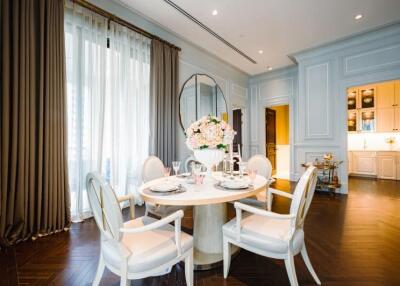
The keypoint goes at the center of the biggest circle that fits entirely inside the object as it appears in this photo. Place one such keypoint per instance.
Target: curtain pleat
(34, 197)
(164, 120)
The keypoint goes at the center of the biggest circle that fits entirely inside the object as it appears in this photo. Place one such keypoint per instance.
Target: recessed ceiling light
(260, 51)
(269, 68)
(358, 17)
(215, 12)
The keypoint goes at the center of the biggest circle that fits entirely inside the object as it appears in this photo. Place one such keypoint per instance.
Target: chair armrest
(131, 200)
(124, 198)
(262, 212)
(239, 207)
(271, 191)
(176, 217)
(280, 193)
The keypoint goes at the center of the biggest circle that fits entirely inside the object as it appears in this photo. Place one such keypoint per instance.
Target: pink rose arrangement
(209, 132)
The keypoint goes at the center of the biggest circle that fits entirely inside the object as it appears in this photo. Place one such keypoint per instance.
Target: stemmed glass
(242, 167)
(176, 165)
(252, 175)
(167, 172)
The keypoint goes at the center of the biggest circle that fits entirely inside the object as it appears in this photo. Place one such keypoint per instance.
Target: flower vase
(209, 158)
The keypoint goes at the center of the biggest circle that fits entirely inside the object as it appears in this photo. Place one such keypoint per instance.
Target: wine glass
(176, 165)
(242, 167)
(167, 172)
(252, 176)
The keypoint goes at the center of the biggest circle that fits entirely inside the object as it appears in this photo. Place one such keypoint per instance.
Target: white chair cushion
(264, 233)
(149, 249)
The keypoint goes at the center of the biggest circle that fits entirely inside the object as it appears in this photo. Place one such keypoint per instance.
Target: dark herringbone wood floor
(351, 240)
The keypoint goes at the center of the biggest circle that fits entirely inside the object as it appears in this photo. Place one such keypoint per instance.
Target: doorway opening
(237, 126)
(277, 146)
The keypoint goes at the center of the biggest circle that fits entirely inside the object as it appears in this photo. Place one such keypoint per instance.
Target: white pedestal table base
(207, 234)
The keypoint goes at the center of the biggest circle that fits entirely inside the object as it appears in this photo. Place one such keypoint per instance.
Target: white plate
(163, 188)
(236, 185)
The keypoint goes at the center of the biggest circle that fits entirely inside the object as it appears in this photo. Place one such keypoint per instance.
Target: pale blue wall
(193, 59)
(319, 103)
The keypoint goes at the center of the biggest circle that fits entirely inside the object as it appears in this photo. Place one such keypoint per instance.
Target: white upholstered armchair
(279, 236)
(140, 247)
(153, 168)
(263, 166)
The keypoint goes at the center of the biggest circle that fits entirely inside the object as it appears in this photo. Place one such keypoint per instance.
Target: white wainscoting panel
(318, 102)
(372, 60)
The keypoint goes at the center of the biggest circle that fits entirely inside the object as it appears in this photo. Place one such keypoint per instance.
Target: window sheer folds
(108, 79)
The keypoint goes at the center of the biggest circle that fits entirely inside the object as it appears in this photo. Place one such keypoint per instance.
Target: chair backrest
(153, 168)
(261, 164)
(303, 194)
(105, 207)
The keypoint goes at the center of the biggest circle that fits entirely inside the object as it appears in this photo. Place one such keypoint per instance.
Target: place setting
(167, 186)
(240, 182)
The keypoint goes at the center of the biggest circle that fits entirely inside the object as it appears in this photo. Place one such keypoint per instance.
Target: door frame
(245, 131)
(277, 102)
(344, 85)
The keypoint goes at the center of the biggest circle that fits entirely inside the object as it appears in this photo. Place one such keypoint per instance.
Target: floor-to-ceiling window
(108, 73)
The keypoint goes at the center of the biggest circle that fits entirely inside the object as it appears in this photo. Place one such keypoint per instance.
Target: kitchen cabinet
(364, 163)
(386, 94)
(397, 92)
(361, 108)
(397, 119)
(380, 164)
(350, 162)
(387, 165)
(386, 119)
(388, 100)
(374, 108)
(398, 166)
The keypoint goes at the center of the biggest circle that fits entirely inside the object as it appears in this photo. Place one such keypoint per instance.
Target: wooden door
(385, 94)
(270, 137)
(237, 126)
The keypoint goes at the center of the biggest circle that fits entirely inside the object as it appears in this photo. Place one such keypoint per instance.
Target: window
(108, 104)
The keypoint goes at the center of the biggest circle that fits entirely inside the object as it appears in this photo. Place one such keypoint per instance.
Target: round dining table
(209, 201)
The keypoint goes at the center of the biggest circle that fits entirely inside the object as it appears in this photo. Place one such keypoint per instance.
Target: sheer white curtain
(108, 104)
(86, 47)
(128, 101)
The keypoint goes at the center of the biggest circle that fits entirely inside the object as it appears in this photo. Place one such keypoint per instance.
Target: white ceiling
(278, 27)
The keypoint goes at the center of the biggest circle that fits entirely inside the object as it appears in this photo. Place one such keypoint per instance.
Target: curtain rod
(116, 19)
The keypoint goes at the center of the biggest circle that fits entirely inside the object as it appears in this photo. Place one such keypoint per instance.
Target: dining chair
(279, 236)
(263, 166)
(153, 168)
(140, 247)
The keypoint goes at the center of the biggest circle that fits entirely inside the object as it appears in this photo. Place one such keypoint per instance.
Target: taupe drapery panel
(34, 197)
(164, 101)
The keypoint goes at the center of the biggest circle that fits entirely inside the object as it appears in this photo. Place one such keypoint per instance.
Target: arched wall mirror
(200, 96)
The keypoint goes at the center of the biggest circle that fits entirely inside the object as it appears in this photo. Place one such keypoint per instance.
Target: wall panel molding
(318, 103)
(372, 60)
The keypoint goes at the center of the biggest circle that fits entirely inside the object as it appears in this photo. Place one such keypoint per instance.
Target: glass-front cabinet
(352, 121)
(361, 109)
(352, 99)
(367, 97)
(368, 120)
